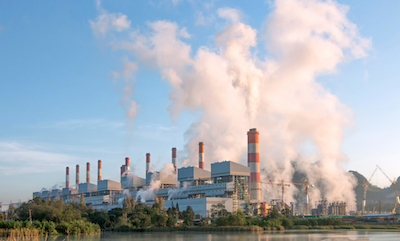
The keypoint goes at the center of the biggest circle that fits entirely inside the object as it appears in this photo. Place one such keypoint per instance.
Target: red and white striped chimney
(201, 155)
(147, 162)
(127, 164)
(67, 178)
(77, 176)
(253, 160)
(122, 169)
(99, 170)
(174, 158)
(87, 172)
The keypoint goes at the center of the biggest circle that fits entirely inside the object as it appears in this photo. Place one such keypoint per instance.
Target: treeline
(50, 217)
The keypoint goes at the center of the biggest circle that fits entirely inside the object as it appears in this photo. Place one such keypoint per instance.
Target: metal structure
(365, 185)
(394, 185)
(283, 185)
(307, 186)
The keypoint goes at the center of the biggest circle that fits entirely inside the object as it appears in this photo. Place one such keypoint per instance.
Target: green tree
(171, 221)
(188, 215)
(99, 217)
(237, 219)
(274, 214)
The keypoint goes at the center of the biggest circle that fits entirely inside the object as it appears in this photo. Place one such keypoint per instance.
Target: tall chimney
(201, 155)
(122, 169)
(77, 176)
(253, 159)
(99, 170)
(67, 178)
(174, 158)
(87, 172)
(147, 162)
(126, 163)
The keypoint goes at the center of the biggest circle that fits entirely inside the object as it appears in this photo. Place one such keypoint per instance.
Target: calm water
(272, 236)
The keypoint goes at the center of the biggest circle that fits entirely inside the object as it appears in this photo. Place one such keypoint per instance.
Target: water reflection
(313, 235)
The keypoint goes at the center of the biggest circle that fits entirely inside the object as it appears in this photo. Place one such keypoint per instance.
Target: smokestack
(126, 163)
(77, 176)
(253, 159)
(201, 155)
(174, 158)
(122, 169)
(99, 170)
(147, 162)
(87, 172)
(67, 178)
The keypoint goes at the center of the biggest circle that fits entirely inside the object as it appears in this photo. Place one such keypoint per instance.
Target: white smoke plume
(178, 190)
(127, 103)
(148, 193)
(125, 194)
(278, 94)
(166, 174)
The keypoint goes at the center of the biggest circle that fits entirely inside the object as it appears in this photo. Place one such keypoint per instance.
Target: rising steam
(278, 94)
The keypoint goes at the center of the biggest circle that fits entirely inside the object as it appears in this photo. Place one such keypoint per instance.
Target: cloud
(20, 158)
(229, 14)
(107, 22)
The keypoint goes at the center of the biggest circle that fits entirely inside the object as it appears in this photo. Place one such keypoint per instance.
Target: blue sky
(60, 105)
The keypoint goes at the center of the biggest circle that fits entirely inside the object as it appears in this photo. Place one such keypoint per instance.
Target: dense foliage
(49, 217)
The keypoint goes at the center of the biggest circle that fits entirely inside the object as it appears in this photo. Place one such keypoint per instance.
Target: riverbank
(252, 229)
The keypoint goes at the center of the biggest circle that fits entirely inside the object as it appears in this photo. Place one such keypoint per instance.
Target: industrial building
(234, 185)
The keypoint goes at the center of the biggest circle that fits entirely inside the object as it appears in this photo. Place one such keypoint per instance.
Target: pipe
(201, 155)
(147, 162)
(99, 170)
(77, 176)
(253, 161)
(87, 172)
(67, 178)
(174, 158)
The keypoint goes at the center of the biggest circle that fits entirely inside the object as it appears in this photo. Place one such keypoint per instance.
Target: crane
(394, 186)
(283, 184)
(365, 192)
(307, 186)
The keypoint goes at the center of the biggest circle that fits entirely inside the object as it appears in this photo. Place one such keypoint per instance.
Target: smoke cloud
(278, 93)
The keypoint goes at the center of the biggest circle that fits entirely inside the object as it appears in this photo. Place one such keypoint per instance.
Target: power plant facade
(229, 183)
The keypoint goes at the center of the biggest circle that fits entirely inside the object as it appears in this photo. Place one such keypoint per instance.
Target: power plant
(234, 185)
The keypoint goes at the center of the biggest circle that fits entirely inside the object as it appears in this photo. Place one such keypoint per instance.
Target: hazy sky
(60, 98)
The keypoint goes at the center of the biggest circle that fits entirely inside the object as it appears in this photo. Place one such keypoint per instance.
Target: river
(309, 235)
